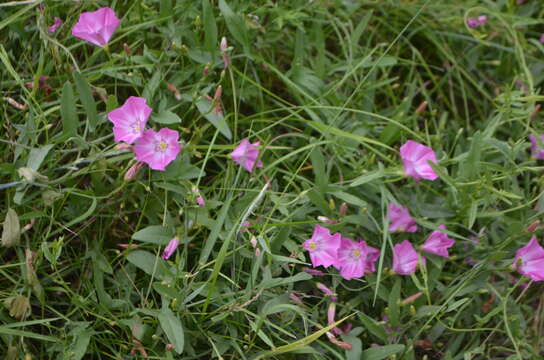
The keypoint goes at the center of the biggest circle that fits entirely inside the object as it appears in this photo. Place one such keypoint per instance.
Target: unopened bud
(257, 252)
(534, 225)
(127, 49)
(326, 220)
(123, 147)
(133, 171)
(218, 92)
(343, 209)
(206, 70)
(421, 108)
(253, 241)
(411, 299)
(223, 45)
(169, 347)
(536, 109)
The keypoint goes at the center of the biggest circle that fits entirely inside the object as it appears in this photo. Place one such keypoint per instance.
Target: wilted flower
(400, 219)
(415, 159)
(352, 258)
(405, 258)
(438, 243)
(482, 19)
(323, 247)
(326, 291)
(129, 120)
(529, 260)
(246, 155)
(537, 150)
(170, 248)
(157, 149)
(96, 27)
(56, 24)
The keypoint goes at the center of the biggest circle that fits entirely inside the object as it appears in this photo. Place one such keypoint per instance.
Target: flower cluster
(155, 148)
(352, 258)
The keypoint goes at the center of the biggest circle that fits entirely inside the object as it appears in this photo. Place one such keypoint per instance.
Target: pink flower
(246, 155)
(482, 19)
(352, 258)
(96, 27)
(472, 22)
(372, 255)
(529, 260)
(537, 151)
(157, 149)
(170, 248)
(542, 39)
(400, 219)
(415, 159)
(56, 24)
(129, 120)
(200, 201)
(438, 243)
(405, 258)
(323, 247)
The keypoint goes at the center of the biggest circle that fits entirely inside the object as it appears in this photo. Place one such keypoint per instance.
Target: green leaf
(210, 27)
(394, 299)
(166, 117)
(37, 155)
(207, 110)
(68, 111)
(350, 199)
(155, 234)
(236, 25)
(86, 97)
(318, 167)
(173, 329)
(381, 352)
(369, 177)
(149, 263)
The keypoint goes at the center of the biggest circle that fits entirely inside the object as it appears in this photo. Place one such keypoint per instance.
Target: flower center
(312, 246)
(356, 253)
(136, 128)
(161, 146)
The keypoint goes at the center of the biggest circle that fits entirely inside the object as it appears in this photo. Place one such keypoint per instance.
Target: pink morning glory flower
(246, 155)
(157, 149)
(400, 219)
(529, 260)
(96, 27)
(352, 258)
(438, 243)
(537, 151)
(405, 258)
(415, 159)
(129, 120)
(323, 247)
(56, 24)
(170, 248)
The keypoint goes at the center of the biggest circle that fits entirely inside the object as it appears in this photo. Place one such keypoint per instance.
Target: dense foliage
(331, 89)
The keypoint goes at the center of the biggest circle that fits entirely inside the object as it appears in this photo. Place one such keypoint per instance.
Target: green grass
(331, 89)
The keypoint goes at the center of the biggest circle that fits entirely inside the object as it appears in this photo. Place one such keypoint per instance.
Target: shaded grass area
(331, 89)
